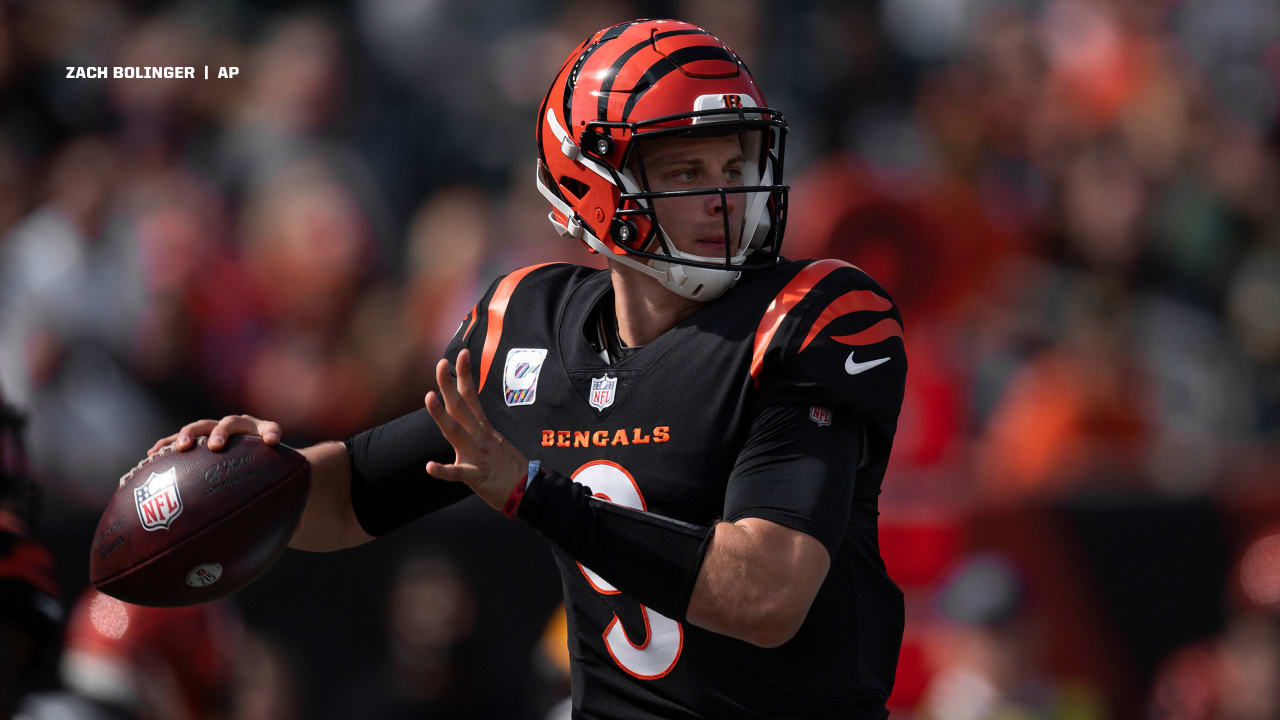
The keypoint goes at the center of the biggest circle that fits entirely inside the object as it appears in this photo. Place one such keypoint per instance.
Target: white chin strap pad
(695, 283)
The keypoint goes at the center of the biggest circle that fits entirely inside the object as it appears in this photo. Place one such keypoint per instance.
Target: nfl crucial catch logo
(158, 500)
(520, 376)
(603, 390)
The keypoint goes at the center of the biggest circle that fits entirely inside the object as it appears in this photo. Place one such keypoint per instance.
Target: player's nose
(717, 203)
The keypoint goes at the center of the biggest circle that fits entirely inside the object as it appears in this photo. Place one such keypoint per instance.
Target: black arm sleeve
(798, 472)
(389, 481)
(793, 471)
(651, 558)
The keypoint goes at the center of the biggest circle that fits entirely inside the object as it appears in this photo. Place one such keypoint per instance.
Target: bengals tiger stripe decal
(851, 302)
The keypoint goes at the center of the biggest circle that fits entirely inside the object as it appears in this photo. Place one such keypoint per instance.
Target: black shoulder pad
(837, 342)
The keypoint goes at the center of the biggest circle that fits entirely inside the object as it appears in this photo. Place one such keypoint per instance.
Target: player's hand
(483, 459)
(218, 432)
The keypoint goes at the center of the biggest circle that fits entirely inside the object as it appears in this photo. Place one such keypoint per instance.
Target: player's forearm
(651, 558)
(328, 522)
(759, 585)
(757, 582)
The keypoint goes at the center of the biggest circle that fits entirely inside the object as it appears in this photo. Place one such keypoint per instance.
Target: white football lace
(162, 451)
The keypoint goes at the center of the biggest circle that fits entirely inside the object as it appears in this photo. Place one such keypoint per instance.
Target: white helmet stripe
(571, 150)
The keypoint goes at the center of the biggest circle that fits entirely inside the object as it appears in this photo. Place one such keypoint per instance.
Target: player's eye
(685, 175)
(733, 174)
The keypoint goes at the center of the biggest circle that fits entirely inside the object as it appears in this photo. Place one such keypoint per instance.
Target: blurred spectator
(307, 248)
(1253, 296)
(1236, 675)
(295, 83)
(179, 226)
(154, 113)
(988, 661)
(445, 262)
(13, 186)
(48, 260)
(1071, 415)
(399, 327)
(551, 660)
(430, 615)
(69, 302)
(264, 684)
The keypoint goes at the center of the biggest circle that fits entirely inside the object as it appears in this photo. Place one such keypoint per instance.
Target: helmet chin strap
(692, 283)
(687, 281)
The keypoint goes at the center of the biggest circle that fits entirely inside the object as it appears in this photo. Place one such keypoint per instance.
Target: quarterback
(700, 430)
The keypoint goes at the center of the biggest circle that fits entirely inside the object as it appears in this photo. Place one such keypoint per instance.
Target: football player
(700, 430)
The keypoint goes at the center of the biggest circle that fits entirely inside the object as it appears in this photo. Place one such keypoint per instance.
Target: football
(189, 527)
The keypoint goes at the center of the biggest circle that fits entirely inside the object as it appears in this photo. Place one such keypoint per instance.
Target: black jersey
(778, 400)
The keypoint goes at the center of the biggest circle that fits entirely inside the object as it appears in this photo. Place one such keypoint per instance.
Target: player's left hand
(484, 460)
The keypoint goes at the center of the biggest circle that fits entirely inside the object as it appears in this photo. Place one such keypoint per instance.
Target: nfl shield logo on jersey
(158, 500)
(520, 376)
(820, 415)
(602, 391)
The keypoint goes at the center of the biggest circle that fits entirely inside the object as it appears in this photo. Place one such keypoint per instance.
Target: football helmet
(658, 78)
(158, 662)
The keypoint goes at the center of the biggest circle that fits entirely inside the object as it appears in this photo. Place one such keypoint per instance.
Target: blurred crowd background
(1076, 203)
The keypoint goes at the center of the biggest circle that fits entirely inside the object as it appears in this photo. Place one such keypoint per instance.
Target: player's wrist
(512, 503)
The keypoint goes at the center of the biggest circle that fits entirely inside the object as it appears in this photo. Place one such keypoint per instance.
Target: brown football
(189, 527)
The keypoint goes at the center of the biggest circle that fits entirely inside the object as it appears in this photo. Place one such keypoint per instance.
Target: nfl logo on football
(820, 415)
(602, 391)
(158, 500)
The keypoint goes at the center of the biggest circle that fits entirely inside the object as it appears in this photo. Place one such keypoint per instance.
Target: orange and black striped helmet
(658, 78)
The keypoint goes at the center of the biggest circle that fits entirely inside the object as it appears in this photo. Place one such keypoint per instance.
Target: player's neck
(643, 307)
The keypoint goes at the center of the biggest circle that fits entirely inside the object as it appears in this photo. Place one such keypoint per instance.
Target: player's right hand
(218, 432)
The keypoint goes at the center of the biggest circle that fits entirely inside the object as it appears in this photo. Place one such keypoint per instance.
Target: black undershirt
(601, 331)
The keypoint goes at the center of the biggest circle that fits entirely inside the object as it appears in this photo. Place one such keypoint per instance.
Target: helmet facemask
(754, 235)
(641, 199)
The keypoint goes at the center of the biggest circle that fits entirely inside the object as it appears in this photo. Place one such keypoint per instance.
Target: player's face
(695, 224)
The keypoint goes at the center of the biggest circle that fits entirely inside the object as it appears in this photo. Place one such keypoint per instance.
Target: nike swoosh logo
(853, 368)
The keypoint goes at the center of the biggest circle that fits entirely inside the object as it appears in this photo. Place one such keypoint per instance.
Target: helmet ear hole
(577, 188)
